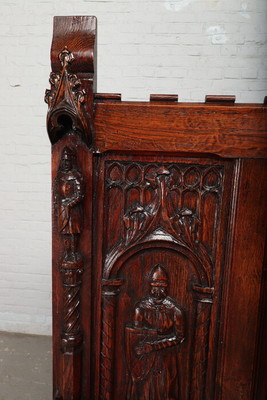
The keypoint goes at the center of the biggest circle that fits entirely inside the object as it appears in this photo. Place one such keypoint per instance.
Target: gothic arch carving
(115, 261)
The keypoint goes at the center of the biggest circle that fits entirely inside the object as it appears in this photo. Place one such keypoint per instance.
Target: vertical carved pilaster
(203, 298)
(71, 334)
(69, 194)
(70, 130)
(109, 292)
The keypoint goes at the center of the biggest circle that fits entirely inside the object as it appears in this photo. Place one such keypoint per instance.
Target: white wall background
(189, 47)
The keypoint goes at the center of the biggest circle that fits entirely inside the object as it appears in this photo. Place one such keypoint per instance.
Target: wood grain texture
(159, 239)
(79, 34)
(69, 377)
(219, 99)
(73, 78)
(228, 131)
(136, 239)
(243, 281)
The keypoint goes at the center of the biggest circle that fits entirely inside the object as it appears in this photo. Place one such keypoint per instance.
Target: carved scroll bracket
(70, 99)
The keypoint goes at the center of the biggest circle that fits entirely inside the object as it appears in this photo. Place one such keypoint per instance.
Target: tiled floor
(25, 367)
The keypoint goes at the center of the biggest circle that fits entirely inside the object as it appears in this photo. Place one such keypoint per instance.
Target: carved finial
(65, 57)
(64, 80)
(65, 98)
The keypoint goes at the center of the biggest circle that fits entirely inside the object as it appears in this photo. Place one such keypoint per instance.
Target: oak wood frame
(98, 127)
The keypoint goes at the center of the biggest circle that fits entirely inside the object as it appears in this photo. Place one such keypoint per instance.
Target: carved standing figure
(70, 193)
(152, 343)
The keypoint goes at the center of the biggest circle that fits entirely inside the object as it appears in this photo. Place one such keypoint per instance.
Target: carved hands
(143, 348)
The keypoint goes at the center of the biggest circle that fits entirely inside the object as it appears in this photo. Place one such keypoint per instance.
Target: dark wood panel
(243, 281)
(229, 131)
(159, 227)
(173, 212)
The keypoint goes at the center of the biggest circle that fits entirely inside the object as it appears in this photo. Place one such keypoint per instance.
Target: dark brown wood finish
(159, 233)
(236, 130)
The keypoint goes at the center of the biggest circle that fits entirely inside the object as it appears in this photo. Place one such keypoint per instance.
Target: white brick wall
(189, 47)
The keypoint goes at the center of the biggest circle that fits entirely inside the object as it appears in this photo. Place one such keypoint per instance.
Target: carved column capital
(72, 276)
(111, 287)
(203, 294)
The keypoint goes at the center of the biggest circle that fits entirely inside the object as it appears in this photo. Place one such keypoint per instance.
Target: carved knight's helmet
(158, 276)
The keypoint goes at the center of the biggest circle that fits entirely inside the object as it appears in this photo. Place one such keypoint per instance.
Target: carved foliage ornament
(157, 220)
(66, 100)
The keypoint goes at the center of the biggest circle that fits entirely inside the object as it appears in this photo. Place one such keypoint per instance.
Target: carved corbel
(70, 98)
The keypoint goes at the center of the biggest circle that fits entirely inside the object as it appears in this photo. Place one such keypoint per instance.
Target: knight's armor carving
(152, 343)
(70, 193)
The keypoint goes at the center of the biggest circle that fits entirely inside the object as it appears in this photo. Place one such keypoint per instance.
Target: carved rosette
(66, 102)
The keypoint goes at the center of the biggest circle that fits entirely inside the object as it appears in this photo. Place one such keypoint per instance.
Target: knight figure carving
(70, 193)
(152, 342)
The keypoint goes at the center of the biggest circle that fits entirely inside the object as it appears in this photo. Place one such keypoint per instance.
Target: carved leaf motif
(188, 224)
(75, 85)
(66, 98)
(169, 208)
(54, 80)
(137, 220)
(65, 57)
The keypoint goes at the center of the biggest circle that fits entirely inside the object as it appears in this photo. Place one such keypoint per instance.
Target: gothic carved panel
(160, 218)
(172, 202)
